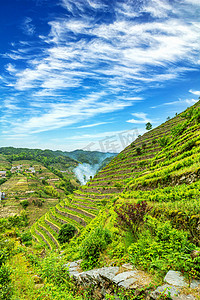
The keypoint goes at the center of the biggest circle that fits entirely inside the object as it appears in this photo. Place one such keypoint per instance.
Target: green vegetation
(66, 232)
(143, 208)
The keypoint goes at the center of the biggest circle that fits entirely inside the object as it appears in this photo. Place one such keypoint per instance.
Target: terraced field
(167, 156)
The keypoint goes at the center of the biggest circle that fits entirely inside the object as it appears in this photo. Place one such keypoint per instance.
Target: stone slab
(175, 278)
(127, 283)
(165, 289)
(194, 284)
(123, 276)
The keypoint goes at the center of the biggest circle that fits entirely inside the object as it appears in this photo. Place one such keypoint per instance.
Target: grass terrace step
(74, 212)
(38, 232)
(64, 220)
(54, 227)
(83, 205)
(80, 211)
(48, 236)
(34, 235)
(73, 217)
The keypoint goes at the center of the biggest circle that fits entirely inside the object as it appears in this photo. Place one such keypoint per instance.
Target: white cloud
(194, 2)
(123, 56)
(93, 125)
(197, 93)
(27, 27)
(57, 115)
(141, 118)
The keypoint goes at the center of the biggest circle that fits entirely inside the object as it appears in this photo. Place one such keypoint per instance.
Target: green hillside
(142, 208)
(160, 168)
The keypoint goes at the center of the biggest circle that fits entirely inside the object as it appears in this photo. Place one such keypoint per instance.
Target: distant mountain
(88, 157)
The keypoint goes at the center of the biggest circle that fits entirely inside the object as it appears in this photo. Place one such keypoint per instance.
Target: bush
(53, 269)
(5, 283)
(26, 238)
(131, 216)
(66, 232)
(163, 141)
(138, 151)
(91, 247)
(24, 203)
(179, 129)
(161, 247)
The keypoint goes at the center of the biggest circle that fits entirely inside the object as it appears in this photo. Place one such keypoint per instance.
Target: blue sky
(91, 73)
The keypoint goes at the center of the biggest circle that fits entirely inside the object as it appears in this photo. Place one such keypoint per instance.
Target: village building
(2, 195)
(2, 174)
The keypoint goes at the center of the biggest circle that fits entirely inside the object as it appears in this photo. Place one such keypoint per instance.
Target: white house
(3, 174)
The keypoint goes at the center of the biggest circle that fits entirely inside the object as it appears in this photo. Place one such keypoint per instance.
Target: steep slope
(161, 167)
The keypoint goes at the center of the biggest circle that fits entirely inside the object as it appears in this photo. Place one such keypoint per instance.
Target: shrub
(118, 185)
(53, 269)
(26, 238)
(66, 232)
(91, 247)
(138, 151)
(24, 203)
(188, 146)
(131, 216)
(161, 247)
(179, 129)
(5, 283)
(163, 141)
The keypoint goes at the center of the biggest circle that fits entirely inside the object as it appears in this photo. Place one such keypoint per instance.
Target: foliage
(148, 126)
(179, 129)
(131, 216)
(66, 232)
(26, 238)
(138, 151)
(66, 186)
(5, 283)
(161, 247)
(163, 141)
(24, 203)
(50, 190)
(94, 243)
(14, 221)
(54, 270)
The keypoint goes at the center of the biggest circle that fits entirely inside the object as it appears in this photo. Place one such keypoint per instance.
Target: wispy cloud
(28, 27)
(93, 125)
(178, 102)
(141, 118)
(57, 115)
(195, 92)
(120, 56)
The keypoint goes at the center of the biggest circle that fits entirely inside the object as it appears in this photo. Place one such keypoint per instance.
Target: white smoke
(84, 171)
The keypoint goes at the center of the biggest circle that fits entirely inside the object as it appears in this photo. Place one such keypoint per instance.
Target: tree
(66, 232)
(149, 126)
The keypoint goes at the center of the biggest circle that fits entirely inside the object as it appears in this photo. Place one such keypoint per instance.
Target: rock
(123, 276)
(195, 253)
(127, 283)
(185, 297)
(165, 290)
(194, 284)
(175, 278)
(106, 272)
(37, 279)
(128, 266)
